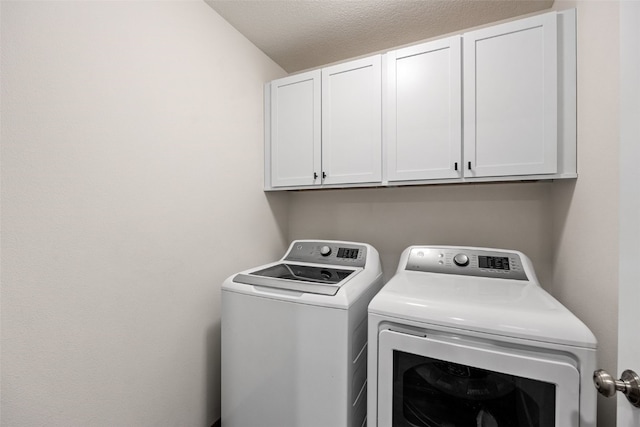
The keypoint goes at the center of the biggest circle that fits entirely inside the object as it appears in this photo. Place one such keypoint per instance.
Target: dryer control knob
(325, 251)
(461, 260)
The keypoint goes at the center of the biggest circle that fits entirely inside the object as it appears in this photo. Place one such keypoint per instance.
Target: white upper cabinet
(511, 98)
(351, 122)
(324, 127)
(495, 104)
(294, 155)
(423, 111)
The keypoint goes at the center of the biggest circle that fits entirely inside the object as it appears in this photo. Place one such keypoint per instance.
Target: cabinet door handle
(315, 175)
(469, 165)
(324, 175)
(455, 166)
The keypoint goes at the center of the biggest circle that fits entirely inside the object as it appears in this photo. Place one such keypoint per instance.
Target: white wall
(568, 228)
(131, 187)
(585, 212)
(510, 215)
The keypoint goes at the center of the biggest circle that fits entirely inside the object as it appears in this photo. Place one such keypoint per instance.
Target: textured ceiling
(302, 34)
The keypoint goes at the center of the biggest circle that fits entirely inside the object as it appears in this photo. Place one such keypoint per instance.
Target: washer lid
(314, 279)
(508, 308)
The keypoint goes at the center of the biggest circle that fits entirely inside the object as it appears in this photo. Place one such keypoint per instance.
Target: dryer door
(426, 381)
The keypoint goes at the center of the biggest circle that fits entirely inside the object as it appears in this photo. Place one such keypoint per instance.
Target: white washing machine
(294, 337)
(465, 336)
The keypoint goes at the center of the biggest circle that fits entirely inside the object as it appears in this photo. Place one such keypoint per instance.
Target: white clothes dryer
(464, 336)
(294, 336)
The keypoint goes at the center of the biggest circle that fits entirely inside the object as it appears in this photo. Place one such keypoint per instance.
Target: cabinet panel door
(351, 122)
(510, 105)
(423, 115)
(295, 130)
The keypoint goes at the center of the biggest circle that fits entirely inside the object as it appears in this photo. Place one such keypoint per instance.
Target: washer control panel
(326, 252)
(466, 262)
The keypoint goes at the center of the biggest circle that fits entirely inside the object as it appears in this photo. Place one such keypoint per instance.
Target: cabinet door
(423, 114)
(295, 130)
(351, 122)
(510, 98)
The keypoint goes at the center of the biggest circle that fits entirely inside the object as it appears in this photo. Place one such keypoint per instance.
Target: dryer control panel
(328, 252)
(466, 262)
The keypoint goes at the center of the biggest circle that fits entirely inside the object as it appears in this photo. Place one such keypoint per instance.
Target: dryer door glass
(433, 393)
(438, 380)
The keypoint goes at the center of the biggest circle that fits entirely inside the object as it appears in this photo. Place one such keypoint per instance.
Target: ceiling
(303, 34)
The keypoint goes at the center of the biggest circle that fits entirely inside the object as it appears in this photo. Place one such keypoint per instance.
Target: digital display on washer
(348, 253)
(493, 262)
(305, 273)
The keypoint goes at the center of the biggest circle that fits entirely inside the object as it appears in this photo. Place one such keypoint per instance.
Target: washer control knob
(461, 260)
(325, 251)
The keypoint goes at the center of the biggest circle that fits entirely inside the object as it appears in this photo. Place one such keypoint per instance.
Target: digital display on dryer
(493, 262)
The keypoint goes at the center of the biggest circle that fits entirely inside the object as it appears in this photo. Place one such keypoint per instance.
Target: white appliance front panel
(284, 364)
(501, 360)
